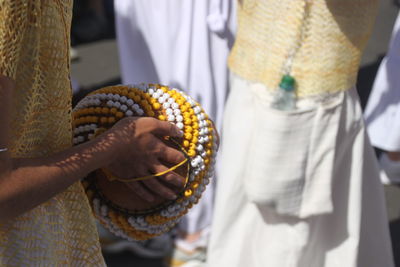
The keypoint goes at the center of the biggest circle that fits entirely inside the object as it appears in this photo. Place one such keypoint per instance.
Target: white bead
(76, 130)
(124, 107)
(140, 112)
(86, 128)
(129, 113)
(150, 91)
(75, 141)
(110, 103)
(194, 163)
(129, 102)
(160, 92)
(179, 118)
(161, 100)
(156, 95)
(166, 96)
(171, 117)
(90, 136)
(166, 105)
(116, 97)
(123, 99)
(206, 139)
(80, 138)
(175, 105)
(177, 112)
(110, 96)
(180, 125)
(136, 107)
(171, 100)
(169, 111)
(203, 154)
(117, 104)
(200, 148)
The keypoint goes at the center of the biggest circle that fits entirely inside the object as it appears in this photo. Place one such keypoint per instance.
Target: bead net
(103, 108)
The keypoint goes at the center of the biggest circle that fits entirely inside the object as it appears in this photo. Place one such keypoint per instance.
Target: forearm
(26, 183)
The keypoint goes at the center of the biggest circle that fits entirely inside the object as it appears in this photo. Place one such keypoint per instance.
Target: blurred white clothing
(298, 188)
(183, 44)
(382, 113)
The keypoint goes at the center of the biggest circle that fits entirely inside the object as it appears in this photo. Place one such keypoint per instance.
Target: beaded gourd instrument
(101, 109)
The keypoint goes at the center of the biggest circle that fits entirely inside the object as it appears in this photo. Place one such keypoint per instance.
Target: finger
(171, 155)
(141, 191)
(163, 128)
(170, 177)
(160, 189)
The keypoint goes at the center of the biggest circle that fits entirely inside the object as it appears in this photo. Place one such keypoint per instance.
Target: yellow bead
(183, 108)
(150, 113)
(195, 125)
(113, 110)
(162, 118)
(195, 139)
(208, 151)
(206, 161)
(192, 146)
(195, 185)
(153, 100)
(188, 129)
(111, 120)
(191, 153)
(119, 114)
(103, 120)
(186, 143)
(143, 102)
(105, 110)
(97, 110)
(188, 121)
(156, 106)
(191, 111)
(188, 193)
(188, 136)
(131, 95)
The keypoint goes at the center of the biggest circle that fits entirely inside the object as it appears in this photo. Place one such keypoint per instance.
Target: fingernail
(172, 197)
(180, 133)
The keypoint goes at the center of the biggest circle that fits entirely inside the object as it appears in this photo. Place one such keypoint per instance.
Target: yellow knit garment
(329, 56)
(34, 51)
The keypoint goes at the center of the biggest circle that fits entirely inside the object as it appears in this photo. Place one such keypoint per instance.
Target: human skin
(131, 148)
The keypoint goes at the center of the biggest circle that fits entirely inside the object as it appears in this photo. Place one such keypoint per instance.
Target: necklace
(285, 97)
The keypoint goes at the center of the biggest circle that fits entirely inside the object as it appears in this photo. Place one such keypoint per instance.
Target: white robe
(183, 44)
(311, 200)
(382, 113)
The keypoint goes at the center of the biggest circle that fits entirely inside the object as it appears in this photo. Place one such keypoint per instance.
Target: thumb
(163, 128)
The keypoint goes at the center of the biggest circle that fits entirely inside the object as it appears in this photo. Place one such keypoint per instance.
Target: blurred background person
(183, 44)
(382, 113)
(298, 183)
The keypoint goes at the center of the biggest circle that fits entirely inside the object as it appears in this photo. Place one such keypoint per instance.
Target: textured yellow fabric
(327, 60)
(34, 51)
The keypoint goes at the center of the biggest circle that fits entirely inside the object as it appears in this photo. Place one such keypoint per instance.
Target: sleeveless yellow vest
(328, 58)
(34, 51)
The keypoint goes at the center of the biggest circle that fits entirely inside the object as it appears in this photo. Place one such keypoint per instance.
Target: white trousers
(280, 202)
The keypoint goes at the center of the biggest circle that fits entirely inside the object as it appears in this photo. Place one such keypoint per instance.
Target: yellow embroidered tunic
(34, 51)
(328, 58)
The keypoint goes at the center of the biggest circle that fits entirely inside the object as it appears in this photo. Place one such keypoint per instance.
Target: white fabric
(175, 42)
(352, 232)
(382, 113)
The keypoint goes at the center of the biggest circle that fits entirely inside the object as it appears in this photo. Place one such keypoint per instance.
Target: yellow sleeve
(14, 19)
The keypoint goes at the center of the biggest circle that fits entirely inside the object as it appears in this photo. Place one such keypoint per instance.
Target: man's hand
(140, 151)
